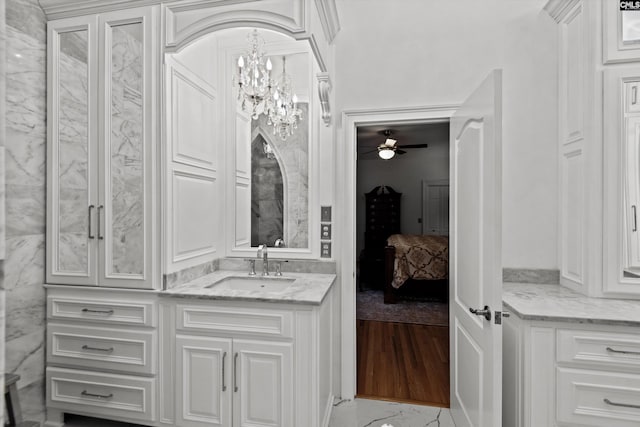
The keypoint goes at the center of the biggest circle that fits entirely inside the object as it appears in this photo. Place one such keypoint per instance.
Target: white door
(475, 267)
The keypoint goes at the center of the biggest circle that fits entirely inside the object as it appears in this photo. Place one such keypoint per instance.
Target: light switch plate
(325, 213)
(325, 231)
(325, 249)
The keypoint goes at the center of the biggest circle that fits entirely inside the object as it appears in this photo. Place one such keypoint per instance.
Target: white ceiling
(369, 137)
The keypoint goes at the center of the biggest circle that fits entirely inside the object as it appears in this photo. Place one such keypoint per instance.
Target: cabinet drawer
(98, 394)
(595, 398)
(103, 310)
(601, 349)
(277, 323)
(101, 348)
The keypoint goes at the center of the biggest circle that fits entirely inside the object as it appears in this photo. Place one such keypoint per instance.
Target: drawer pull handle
(613, 350)
(224, 357)
(624, 405)
(99, 396)
(235, 373)
(106, 350)
(88, 310)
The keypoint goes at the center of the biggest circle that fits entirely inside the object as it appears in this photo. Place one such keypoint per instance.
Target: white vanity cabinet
(101, 351)
(102, 112)
(249, 363)
(570, 374)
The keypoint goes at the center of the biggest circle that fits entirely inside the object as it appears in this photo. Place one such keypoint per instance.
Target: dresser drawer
(108, 311)
(95, 394)
(596, 398)
(601, 349)
(277, 323)
(101, 348)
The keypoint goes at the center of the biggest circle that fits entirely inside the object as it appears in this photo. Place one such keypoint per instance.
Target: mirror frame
(229, 53)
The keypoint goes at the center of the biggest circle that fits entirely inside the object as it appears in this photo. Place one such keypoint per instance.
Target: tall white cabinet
(599, 70)
(102, 138)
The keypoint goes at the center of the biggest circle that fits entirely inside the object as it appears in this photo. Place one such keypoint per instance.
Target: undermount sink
(263, 284)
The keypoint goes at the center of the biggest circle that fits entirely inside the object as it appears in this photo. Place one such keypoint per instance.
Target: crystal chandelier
(253, 77)
(282, 108)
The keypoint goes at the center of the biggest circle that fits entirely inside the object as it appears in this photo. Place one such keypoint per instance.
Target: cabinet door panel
(126, 148)
(203, 391)
(264, 375)
(72, 189)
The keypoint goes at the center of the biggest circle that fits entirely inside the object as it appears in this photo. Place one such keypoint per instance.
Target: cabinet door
(128, 67)
(202, 381)
(621, 33)
(263, 384)
(72, 191)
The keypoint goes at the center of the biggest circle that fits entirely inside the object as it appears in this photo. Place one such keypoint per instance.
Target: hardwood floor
(403, 362)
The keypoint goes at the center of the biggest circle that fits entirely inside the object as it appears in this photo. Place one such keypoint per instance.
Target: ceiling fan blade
(398, 151)
(368, 152)
(415, 146)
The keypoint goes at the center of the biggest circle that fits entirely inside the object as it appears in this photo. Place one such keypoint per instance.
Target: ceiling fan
(389, 147)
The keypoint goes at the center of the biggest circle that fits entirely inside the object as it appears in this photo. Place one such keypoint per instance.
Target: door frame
(346, 157)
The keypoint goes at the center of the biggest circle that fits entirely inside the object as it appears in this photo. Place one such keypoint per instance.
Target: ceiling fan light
(386, 153)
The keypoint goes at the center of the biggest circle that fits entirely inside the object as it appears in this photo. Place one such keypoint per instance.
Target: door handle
(486, 312)
(224, 357)
(100, 236)
(235, 373)
(90, 231)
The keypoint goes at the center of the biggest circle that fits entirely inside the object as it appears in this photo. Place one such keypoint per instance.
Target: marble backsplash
(172, 280)
(524, 275)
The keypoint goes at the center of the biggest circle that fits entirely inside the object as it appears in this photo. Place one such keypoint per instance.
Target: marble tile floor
(346, 413)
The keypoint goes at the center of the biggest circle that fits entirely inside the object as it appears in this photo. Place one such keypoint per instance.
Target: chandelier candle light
(254, 76)
(282, 111)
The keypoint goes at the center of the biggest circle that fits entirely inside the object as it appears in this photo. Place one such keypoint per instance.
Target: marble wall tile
(25, 110)
(25, 177)
(25, 316)
(25, 356)
(25, 210)
(3, 61)
(27, 17)
(24, 264)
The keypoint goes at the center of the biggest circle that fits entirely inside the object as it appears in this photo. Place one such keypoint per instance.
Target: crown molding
(328, 13)
(54, 9)
(558, 9)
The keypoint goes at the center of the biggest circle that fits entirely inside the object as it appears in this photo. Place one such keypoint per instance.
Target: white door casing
(475, 266)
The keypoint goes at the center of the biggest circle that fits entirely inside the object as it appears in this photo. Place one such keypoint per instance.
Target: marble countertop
(308, 288)
(558, 303)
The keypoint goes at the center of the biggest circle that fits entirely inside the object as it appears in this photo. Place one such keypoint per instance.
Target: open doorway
(402, 317)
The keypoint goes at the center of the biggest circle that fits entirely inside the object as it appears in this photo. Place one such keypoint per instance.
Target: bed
(408, 256)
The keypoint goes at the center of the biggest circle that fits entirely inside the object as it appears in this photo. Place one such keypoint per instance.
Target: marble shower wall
(25, 169)
(3, 60)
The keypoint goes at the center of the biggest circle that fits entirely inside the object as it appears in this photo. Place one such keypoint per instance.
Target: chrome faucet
(262, 252)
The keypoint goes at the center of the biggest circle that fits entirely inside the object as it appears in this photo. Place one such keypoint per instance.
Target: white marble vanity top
(308, 288)
(558, 303)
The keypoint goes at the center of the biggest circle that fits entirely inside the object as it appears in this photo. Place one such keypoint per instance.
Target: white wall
(418, 53)
(403, 173)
